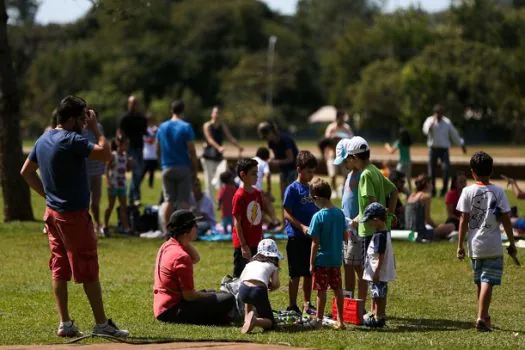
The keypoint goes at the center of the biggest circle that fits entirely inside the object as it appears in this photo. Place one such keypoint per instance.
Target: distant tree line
(388, 68)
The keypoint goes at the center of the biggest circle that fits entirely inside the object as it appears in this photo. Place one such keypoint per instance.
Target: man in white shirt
(440, 131)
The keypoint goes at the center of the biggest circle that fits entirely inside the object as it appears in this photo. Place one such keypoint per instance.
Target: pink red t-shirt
(226, 198)
(452, 197)
(248, 205)
(173, 274)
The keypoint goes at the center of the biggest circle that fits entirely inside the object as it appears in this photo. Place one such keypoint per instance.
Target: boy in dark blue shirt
(299, 209)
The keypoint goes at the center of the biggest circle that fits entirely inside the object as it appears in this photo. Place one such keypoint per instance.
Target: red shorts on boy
(73, 244)
(327, 276)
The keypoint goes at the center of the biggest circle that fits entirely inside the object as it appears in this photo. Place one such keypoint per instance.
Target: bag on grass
(231, 285)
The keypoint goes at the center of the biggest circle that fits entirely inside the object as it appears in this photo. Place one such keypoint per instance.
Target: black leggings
(150, 165)
(212, 309)
(258, 297)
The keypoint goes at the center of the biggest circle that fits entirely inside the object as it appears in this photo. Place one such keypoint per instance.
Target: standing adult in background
(61, 154)
(134, 125)
(176, 149)
(151, 162)
(284, 152)
(335, 131)
(95, 170)
(214, 132)
(440, 131)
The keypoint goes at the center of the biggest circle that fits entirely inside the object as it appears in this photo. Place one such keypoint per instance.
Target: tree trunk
(17, 198)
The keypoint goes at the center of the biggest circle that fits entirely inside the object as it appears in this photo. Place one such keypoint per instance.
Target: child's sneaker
(313, 323)
(294, 308)
(482, 326)
(68, 329)
(110, 328)
(105, 232)
(373, 322)
(310, 309)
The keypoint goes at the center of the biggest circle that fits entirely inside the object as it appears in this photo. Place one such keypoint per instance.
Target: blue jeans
(136, 177)
(435, 153)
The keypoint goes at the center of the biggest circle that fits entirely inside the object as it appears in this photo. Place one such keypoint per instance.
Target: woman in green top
(403, 145)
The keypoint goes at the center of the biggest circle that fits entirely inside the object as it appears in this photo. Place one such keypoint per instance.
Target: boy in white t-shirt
(379, 263)
(483, 207)
(263, 173)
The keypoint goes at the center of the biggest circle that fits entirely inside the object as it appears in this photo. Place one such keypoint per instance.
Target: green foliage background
(389, 68)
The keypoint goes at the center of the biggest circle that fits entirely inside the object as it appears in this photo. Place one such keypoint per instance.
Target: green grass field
(431, 304)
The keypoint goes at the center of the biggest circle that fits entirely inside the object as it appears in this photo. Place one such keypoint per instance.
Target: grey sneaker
(110, 329)
(68, 331)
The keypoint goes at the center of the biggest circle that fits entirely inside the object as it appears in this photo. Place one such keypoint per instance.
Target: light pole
(271, 54)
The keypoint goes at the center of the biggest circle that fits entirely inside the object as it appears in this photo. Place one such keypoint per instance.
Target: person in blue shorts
(484, 206)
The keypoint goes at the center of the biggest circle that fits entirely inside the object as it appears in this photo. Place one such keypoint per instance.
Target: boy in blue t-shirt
(298, 211)
(328, 231)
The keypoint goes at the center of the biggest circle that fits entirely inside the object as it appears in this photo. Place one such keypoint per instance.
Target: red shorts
(327, 276)
(73, 244)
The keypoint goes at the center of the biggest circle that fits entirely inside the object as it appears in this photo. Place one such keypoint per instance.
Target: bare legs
(93, 293)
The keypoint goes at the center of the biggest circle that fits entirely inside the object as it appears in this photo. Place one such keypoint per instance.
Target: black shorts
(258, 297)
(454, 221)
(239, 262)
(298, 250)
(365, 242)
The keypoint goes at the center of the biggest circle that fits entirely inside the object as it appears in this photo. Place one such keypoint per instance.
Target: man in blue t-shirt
(284, 151)
(61, 154)
(298, 211)
(176, 148)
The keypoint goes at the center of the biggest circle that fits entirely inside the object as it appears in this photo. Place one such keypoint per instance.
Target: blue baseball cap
(374, 210)
(341, 151)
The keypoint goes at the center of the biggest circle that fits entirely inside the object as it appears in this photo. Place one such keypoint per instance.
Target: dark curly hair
(481, 163)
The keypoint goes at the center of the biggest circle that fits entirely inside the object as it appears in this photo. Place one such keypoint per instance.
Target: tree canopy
(390, 68)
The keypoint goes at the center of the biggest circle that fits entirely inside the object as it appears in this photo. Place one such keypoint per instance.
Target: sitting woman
(417, 213)
(175, 299)
(459, 181)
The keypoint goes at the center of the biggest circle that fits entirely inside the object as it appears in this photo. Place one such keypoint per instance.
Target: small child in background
(404, 164)
(264, 175)
(225, 199)
(202, 206)
(247, 210)
(387, 167)
(483, 207)
(328, 231)
(260, 275)
(380, 265)
(116, 180)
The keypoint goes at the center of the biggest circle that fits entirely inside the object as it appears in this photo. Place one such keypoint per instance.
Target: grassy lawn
(431, 304)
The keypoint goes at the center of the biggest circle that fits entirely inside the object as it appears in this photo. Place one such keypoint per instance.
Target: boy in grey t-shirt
(483, 207)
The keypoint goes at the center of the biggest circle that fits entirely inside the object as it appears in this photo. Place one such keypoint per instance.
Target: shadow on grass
(405, 324)
(153, 340)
